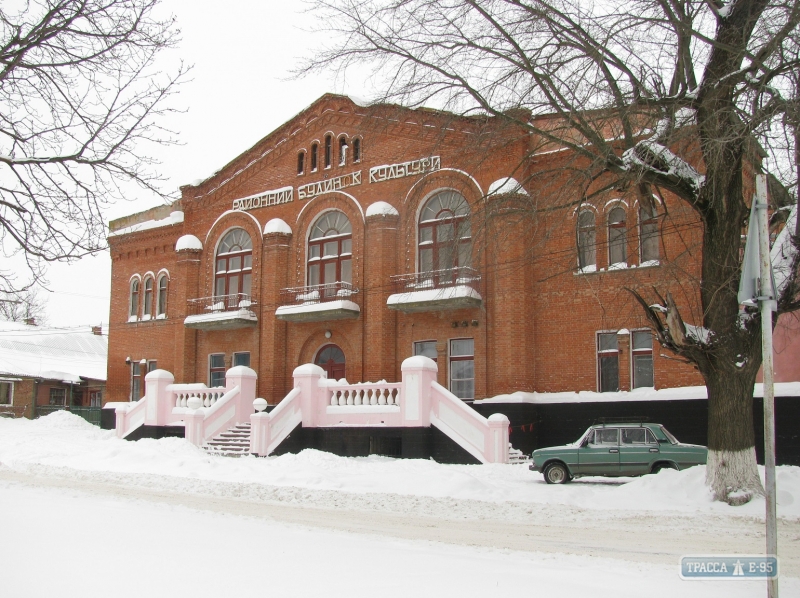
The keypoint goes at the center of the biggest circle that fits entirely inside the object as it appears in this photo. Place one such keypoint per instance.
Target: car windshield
(580, 440)
(667, 433)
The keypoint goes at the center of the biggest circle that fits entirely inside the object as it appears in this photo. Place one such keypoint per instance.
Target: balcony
(318, 303)
(223, 312)
(437, 290)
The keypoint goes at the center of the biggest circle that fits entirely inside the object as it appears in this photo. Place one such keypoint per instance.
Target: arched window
(342, 150)
(330, 253)
(301, 162)
(445, 237)
(328, 150)
(314, 148)
(331, 359)
(356, 150)
(134, 298)
(617, 237)
(234, 269)
(648, 234)
(587, 238)
(161, 305)
(148, 297)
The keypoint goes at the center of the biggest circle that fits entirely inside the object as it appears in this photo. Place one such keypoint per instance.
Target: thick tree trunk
(731, 472)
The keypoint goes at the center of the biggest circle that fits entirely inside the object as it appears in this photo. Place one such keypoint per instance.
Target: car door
(638, 450)
(600, 454)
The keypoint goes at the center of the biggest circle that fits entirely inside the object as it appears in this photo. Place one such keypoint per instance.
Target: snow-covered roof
(381, 208)
(506, 185)
(189, 243)
(276, 225)
(173, 218)
(52, 353)
(681, 393)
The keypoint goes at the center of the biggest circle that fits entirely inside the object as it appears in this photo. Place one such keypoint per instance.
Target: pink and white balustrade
(417, 401)
(204, 411)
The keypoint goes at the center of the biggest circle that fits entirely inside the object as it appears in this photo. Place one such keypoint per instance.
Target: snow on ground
(77, 544)
(67, 444)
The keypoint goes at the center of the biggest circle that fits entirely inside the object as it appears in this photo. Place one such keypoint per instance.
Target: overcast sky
(242, 52)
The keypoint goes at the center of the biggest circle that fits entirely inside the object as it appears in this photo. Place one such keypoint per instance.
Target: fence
(90, 414)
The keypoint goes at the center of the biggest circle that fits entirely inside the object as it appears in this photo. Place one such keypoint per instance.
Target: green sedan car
(624, 449)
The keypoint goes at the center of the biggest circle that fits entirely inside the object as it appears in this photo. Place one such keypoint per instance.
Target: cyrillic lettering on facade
(262, 200)
(387, 172)
(328, 185)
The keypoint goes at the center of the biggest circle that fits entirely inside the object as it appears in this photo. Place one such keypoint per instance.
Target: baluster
(342, 397)
(334, 399)
(359, 399)
(395, 395)
(381, 398)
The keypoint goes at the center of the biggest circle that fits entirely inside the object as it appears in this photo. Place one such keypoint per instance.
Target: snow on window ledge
(618, 266)
(650, 264)
(133, 319)
(590, 269)
(161, 317)
(146, 318)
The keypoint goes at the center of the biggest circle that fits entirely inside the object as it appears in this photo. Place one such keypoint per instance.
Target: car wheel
(659, 466)
(556, 473)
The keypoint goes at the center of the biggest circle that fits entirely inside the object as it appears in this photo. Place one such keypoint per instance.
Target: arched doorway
(331, 359)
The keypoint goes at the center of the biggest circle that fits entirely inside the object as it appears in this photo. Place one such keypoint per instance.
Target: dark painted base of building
(405, 443)
(540, 425)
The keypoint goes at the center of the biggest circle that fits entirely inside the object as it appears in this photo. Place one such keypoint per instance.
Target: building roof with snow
(65, 354)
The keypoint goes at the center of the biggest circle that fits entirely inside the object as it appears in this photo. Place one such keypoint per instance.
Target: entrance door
(331, 359)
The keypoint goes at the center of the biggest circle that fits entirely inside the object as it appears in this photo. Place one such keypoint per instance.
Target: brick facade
(536, 326)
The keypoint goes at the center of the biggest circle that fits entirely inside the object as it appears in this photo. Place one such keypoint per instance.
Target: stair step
(234, 442)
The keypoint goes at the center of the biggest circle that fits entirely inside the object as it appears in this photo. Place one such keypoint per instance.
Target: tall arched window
(587, 238)
(148, 297)
(330, 252)
(328, 150)
(648, 234)
(314, 152)
(342, 150)
(356, 150)
(234, 268)
(301, 162)
(617, 237)
(134, 312)
(445, 236)
(161, 305)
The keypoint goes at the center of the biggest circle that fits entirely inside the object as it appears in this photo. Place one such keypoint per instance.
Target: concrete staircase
(233, 443)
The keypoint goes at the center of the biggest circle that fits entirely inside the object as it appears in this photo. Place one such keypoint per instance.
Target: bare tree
(26, 306)
(649, 95)
(80, 98)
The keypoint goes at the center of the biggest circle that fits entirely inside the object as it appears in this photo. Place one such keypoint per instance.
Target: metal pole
(766, 305)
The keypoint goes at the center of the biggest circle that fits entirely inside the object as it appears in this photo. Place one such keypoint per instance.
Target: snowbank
(66, 445)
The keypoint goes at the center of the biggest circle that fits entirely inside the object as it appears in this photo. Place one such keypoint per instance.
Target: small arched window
(617, 237)
(314, 151)
(445, 236)
(328, 150)
(587, 239)
(234, 266)
(134, 312)
(301, 162)
(356, 150)
(148, 297)
(330, 253)
(342, 150)
(648, 234)
(161, 303)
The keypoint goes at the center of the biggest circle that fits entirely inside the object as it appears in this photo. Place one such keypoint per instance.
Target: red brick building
(354, 237)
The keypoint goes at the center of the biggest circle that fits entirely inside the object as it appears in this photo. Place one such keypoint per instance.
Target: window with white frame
(241, 358)
(301, 162)
(342, 150)
(234, 267)
(314, 156)
(330, 253)
(617, 237)
(648, 234)
(161, 303)
(216, 370)
(134, 298)
(6, 393)
(328, 150)
(96, 398)
(148, 298)
(445, 237)
(587, 237)
(426, 349)
(357, 150)
(642, 358)
(608, 361)
(462, 368)
(136, 381)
